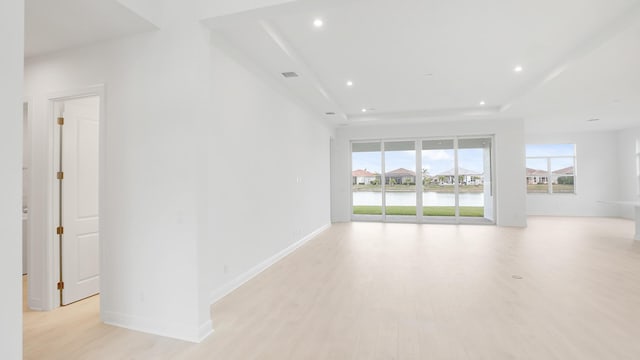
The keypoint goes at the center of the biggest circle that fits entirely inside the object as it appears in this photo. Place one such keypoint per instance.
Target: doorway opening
(67, 191)
(74, 147)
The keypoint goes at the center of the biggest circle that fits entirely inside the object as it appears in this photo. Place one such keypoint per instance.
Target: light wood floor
(400, 291)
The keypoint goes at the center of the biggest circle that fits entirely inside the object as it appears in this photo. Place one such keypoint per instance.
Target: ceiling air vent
(330, 113)
(290, 74)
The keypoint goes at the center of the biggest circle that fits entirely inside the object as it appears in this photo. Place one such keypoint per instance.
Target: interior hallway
(405, 291)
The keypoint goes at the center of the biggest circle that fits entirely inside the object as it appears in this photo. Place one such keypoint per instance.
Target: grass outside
(470, 211)
(426, 188)
(557, 188)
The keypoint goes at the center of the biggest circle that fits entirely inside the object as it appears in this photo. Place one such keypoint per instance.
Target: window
(551, 169)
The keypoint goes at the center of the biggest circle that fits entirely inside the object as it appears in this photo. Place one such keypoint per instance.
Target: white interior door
(80, 218)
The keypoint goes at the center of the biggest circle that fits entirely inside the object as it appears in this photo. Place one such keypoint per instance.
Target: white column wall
(148, 196)
(627, 179)
(11, 43)
(509, 160)
(596, 176)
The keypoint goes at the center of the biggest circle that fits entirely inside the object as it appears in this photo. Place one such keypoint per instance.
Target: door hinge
(60, 175)
(60, 121)
(60, 285)
(59, 230)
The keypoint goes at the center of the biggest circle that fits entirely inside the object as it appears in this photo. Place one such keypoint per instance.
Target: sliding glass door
(474, 162)
(366, 178)
(400, 178)
(439, 181)
(430, 180)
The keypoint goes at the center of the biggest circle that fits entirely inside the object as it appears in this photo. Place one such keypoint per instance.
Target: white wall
(148, 196)
(269, 183)
(596, 176)
(509, 160)
(11, 43)
(209, 172)
(627, 167)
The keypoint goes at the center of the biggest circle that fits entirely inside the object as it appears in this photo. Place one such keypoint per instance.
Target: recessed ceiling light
(349, 83)
(364, 110)
(318, 23)
(482, 103)
(518, 68)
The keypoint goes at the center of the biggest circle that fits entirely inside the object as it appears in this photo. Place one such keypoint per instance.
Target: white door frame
(47, 246)
(28, 101)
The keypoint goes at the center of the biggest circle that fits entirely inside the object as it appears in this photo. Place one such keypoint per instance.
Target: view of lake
(409, 198)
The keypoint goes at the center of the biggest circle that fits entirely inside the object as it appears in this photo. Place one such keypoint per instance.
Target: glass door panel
(366, 182)
(474, 161)
(438, 184)
(400, 178)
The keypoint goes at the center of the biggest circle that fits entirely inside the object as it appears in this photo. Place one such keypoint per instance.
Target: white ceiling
(412, 60)
(425, 60)
(604, 85)
(61, 24)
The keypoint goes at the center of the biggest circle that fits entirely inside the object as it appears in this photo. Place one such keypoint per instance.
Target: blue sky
(550, 150)
(436, 161)
(556, 163)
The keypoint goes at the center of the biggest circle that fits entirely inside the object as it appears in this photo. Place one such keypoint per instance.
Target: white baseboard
(35, 304)
(205, 330)
(186, 332)
(180, 331)
(226, 289)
